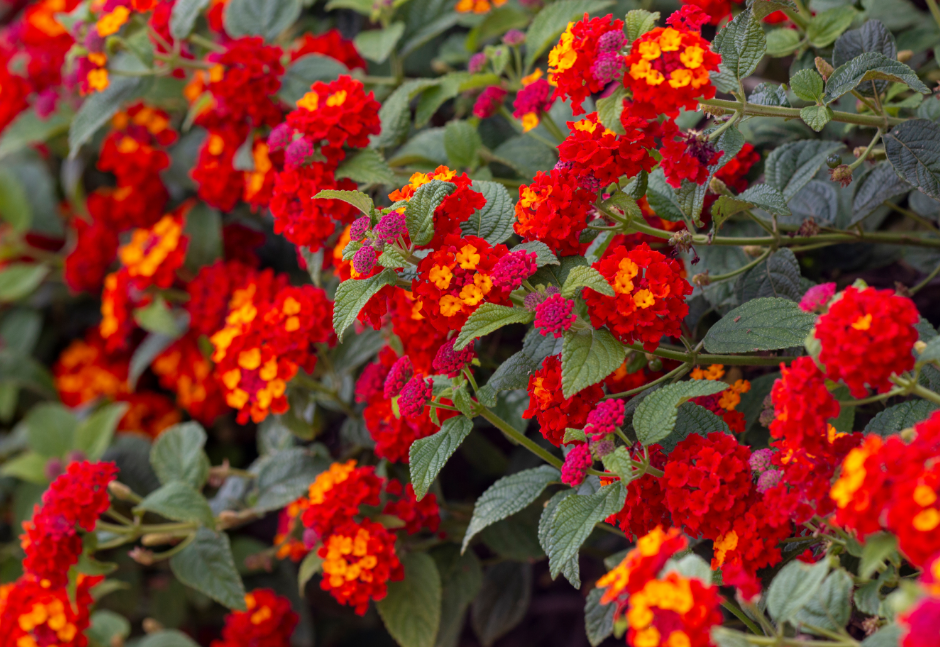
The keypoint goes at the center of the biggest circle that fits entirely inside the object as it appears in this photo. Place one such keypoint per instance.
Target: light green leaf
(28, 466)
(913, 148)
(585, 277)
(94, 434)
(392, 258)
(494, 222)
(574, 520)
(761, 324)
(488, 318)
(98, 108)
(366, 167)
(877, 549)
(508, 496)
(167, 638)
(310, 566)
(108, 628)
(412, 609)
(870, 66)
(462, 143)
(178, 501)
(587, 358)
(782, 42)
(428, 456)
(207, 565)
(829, 609)
(543, 255)
(377, 44)
(28, 128)
(638, 22)
(352, 296)
(19, 280)
(888, 636)
(574, 435)
(827, 26)
(690, 566)
(50, 429)
(808, 85)
(571, 570)
(158, 318)
(610, 108)
(183, 16)
(655, 416)
(260, 17)
(547, 26)
(177, 455)
(357, 199)
(793, 588)
(15, 208)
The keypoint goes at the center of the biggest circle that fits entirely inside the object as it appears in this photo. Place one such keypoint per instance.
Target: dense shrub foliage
(543, 321)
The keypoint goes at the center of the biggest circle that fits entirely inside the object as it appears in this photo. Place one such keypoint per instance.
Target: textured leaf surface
(503, 600)
(742, 44)
(913, 148)
(587, 358)
(357, 199)
(793, 587)
(808, 85)
(692, 419)
(881, 184)
(494, 222)
(285, 476)
(776, 276)
(412, 609)
(177, 455)
(180, 502)
(830, 608)
(366, 167)
(543, 255)
(487, 318)
(352, 296)
(570, 570)
(207, 565)
(419, 213)
(514, 372)
(98, 108)
(655, 416)
(598, 618)
(575, 519)
(761, 324)
(870, 66)
(900, 416)
(585, 277)
(508, 496)
(429, 455)
(260, 17)
(791, 166)
(870, 37)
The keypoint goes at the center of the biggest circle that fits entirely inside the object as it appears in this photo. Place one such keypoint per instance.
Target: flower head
(336, 494)
(641, 565)
(267, 622)
(551, 409)
(554, 209)
(576, 465)
(414, 396)
(572, 61)
(489, 102)
(399, 375)
(554, 316)
(818, 297)
(591, 149)
(450, 361)
(35, 612)
(514, 268)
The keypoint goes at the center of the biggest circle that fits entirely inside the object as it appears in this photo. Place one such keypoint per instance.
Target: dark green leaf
(178, 501)
(50, 429)
(761, 324)
(552, 20)
(598, 618)
(183, 16)
(742, 45)
(610, 108)
(304, 72)
(488, 318)
(870, 66)
(177, 455)
(352, 296)
(692, 419)
(310, 566)
(285, 476)
(587, 358)
(662, 197)
(377, 44)
(98, 108)
(502, 602)
(462, 144)
(260, 17)
(574, 520)
(900, 416)
(791, 166)
(19, 280)
(94, 434)
(357, 199)
(419, 213)
(204, 228)
(514, 372)
(877, 549)
(793, 588)
(776, 276)
(655, 416)
(913, 148)
(872, 36)
(494, 222)
(366, 167)
(571, 570)
(15, 208)
(770, 94)
(543, 255)
(880, 184)
(585, 277)
(412, 609)
(207, 565)
(429, 455)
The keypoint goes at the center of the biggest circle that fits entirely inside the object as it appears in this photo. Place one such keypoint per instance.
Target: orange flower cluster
(551, 409)
(573, 68)
(723, 404)
(554, 209)
(34, 613)
(268, 622)
(650, 300)
(454, 209)
(265, 341)
(893, 485)
(358, 562)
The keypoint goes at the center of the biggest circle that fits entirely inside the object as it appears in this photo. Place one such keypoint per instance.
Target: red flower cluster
(245, 81)
(591, 149)
(717, 10)
(330, 43)
(74, 501)
(920, 624)
(554, 209)
(894, 485)
(551, 409)
(866, 337)
(802, 407)
(454, 209)
(358, 562)
(572, 62)
(268, 622)
(336, 494)
(645, 506)
(34, 612)
(650, 296)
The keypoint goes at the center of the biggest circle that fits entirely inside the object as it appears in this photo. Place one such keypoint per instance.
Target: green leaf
(177, 455)
(610, 108)
(808, 84)
(793, 587)
(98, 109)
(585, 277)
(357, 199)
(782, 42)
(638, 22)
(304, 72)
(394, 113)
(692, 419)
(900, 416)
(412, 609)
(50, 429)
(574, 435)
(508, 496)
(870, 66)
(29, 467)
(769, 94)
(776, 276)
(183, 17)
(875, 187)
(543, 255)
(19, 280)
(724, 637)
(587, 358)
(207, 565)
(310, 566)
(547, 26)
(791, 166)
(496, 23)
(571, 570)
(655, 416)
(826, 26)
(352, 296)
(260, 17)
(494, 222)
(366, 167)
(377, 44)
(763, 8)
(872, 36)
(741, 44)
(178, 501)
(28, 128)
(830, 608)
(462, 143)
(514, 372)
(762, 196)
(285, 476)
(662, 197)
(433, 98)
(15, 208)
(108, 628)
(167, 638)
(419, 213)
(502, 602)
(392, 258)
(598, 618)
(877, 549)
(463, 402)
(888, 636)
(816, 117)
(94, 434)
(488, 318)
(158, 318)
(690, 566)
(761, 324)
(204, 228)
(913, 148)
(574, 520)
(428, 456)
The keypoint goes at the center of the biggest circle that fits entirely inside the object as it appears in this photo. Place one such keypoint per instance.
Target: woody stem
(519, 437)
(756, 110)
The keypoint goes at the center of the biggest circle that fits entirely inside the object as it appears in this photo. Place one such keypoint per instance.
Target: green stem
(740, 270)
(740, 615)
(552, 127)
(205, 43)
(930, 277)
(861, 158)
(729, 360)
(874, 398)
(755, 110)
(934, 10)
(674, 373)
(519, 437)
(913, 215)
(715, 134)
(157, 557)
